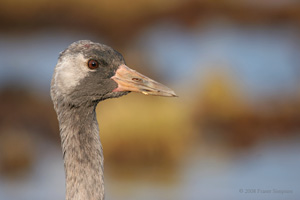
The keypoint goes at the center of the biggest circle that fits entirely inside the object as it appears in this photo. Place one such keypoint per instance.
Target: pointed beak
(130, 80)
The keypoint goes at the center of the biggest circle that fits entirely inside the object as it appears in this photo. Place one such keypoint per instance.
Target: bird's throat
(82, 153)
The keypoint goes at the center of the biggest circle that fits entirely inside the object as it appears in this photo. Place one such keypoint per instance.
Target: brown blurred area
(224, 115)
(148, 135)
(23, 118)
(121, 21)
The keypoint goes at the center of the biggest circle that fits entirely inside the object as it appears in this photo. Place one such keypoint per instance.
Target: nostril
(136, 79)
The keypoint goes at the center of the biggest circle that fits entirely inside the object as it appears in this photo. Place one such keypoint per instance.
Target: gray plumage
(75, 92)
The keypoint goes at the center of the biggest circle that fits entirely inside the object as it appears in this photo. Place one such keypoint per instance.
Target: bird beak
(130, 80)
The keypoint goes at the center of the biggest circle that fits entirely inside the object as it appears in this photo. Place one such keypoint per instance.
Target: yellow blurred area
(221, 95)
(149, 130)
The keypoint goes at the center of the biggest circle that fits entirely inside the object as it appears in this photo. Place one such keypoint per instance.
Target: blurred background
(233, 133)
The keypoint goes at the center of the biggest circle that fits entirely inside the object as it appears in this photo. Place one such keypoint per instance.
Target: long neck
(82, 153)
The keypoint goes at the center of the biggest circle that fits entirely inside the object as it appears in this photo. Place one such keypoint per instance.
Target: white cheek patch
(69, 72)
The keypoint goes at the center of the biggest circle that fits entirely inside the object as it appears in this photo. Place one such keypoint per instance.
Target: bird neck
(82, 153)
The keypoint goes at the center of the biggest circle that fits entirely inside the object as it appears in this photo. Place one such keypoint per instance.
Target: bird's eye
(93, 64)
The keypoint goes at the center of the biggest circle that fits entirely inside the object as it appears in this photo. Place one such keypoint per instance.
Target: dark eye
(93, 64)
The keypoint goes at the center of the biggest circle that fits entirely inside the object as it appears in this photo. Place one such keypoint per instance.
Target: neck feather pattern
(82, 152)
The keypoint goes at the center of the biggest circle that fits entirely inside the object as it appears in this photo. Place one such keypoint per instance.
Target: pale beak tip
(173, 94)
(170, 93)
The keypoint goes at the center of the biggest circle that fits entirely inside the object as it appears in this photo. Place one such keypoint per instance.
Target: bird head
(89, 72)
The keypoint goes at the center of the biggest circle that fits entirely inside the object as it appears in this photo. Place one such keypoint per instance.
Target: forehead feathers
(93, 50)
